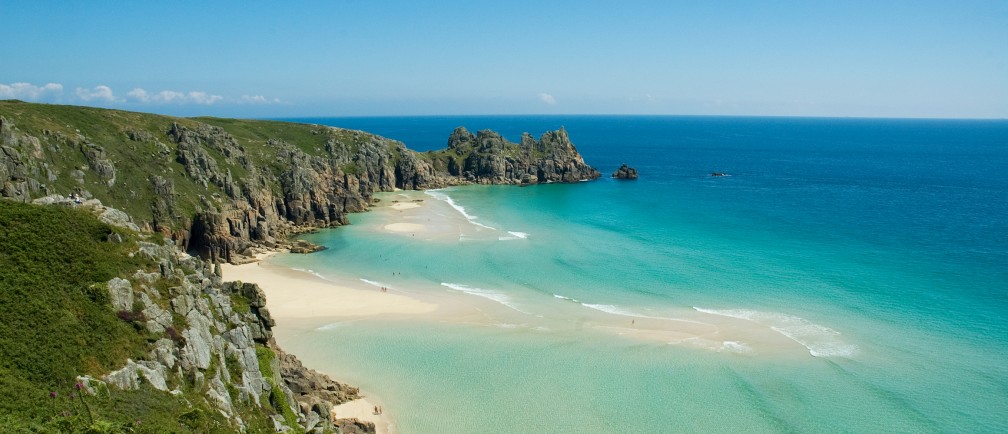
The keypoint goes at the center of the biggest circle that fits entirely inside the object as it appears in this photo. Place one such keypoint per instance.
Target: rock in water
(625, 172)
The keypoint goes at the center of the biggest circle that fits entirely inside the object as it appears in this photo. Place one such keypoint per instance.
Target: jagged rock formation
(216, 337)
(487, 158)
(625, 172)
(218, 187)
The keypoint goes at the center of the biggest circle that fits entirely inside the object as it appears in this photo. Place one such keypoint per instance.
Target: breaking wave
(821, 341)
(439, 195)
(374, 283)
(485, 293)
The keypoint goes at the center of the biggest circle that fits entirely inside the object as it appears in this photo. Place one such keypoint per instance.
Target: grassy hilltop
(138, 146)
(218, 186)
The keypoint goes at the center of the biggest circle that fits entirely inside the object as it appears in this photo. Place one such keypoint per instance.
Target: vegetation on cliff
(108, 325)
(58, 323)
(219, 186)
(103, 330)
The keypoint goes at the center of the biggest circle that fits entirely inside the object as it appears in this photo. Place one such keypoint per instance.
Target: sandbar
(296, 294)
(405, 227)
(402, 206)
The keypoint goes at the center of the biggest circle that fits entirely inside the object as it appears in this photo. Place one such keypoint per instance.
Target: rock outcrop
(625, 172)
(220, 187)
(222, 194)
(487, 158)
(215, 337)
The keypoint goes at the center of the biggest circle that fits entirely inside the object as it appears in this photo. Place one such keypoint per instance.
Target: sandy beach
(295, 294)
(364, 409)
(301, 302)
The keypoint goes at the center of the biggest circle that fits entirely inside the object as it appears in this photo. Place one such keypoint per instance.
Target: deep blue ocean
(880, 245)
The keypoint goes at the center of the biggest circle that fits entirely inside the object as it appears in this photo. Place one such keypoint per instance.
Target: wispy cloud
(30, 92)
(98, 93)
(138, 94)
(103, 94)
(257, 99)
(547, 98)
(173, 97)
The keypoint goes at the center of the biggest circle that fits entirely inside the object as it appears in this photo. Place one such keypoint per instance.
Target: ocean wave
(513, 235)
(821, 341)
(566, 298)
(735, 347)
(439, 195)
(485, 293)
(615, 310)
(309, 271)
(374, 283)
(618, 310)
(330, 326)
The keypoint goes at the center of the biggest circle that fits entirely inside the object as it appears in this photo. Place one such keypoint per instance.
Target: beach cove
(304, 302)
(784, 296)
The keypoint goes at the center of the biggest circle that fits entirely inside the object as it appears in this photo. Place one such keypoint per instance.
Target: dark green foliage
(55, 320)
(56, 323)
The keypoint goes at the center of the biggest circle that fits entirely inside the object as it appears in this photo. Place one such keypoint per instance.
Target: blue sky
(348, 58)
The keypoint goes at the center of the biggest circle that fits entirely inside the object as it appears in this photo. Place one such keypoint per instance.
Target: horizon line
(284, 117)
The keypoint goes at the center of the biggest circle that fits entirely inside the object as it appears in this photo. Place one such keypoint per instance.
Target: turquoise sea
(876, 250)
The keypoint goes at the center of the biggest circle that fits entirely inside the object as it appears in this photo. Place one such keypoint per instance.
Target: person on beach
(376, 410)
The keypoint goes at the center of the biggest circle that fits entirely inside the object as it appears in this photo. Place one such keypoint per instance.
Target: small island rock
(625, 172)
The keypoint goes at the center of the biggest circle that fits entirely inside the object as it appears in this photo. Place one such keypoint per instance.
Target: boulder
(120, 294)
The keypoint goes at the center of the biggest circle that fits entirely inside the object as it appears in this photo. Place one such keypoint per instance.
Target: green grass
(56, 323)
(277, 399)
(61, 131)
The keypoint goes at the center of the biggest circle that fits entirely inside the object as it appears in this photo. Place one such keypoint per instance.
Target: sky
(944, 59)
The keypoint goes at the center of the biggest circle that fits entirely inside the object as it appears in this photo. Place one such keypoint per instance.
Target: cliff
(106, 329)
(487, 158)
(108, 324)
(217, 187)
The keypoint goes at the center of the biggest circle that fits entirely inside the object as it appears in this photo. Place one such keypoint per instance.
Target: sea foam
(440, 195)
(374, 283)
(513, 235)
(310, 271)
(566, 298)
(485, 293)
(615, 310)
(821, 341)
(622, 311)
(330, 326)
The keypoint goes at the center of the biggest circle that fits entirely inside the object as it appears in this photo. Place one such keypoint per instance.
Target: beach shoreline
(305, 300)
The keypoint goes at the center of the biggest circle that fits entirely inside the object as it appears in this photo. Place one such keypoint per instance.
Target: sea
(875, 252)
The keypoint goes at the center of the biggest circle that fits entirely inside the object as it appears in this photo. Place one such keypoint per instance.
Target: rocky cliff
(107, 329)
(217, 187)
(487, 158)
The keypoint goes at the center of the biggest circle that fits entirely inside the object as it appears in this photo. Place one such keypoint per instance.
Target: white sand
(364, 410)
(401, 206)
(406, 227)
(293, 294)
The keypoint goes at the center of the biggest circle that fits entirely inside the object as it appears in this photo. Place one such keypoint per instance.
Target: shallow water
(855, 271)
